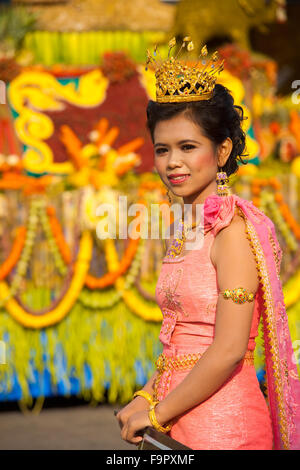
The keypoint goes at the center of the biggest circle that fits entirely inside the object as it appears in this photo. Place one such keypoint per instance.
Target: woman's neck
(198, 199)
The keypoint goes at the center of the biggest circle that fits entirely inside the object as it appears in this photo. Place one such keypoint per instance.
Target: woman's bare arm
(149, 387)
(236, 266)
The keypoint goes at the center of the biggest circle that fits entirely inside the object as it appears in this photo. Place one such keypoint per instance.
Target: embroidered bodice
(187, 290)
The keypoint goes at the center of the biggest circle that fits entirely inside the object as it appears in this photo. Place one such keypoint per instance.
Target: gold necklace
(179, 239)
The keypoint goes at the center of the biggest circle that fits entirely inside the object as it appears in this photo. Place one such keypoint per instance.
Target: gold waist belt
(185, 361)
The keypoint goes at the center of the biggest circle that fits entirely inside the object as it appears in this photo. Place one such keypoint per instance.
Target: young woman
(204, 392)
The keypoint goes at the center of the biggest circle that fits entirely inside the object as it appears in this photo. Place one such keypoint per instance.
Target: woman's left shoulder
(234, 229)
(231, 245)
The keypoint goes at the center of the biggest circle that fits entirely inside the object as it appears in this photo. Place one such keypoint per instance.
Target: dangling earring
(222, 180)
(170, 200)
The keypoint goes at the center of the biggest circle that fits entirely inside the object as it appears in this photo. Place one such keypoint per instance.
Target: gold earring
(222, 186)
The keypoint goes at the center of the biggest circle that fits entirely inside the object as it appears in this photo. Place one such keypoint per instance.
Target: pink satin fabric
(236, 416)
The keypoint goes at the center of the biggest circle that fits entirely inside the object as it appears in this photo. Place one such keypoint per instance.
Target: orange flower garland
(30, 185)
(61, 310)
(15, 253)
(283, 207)
(59, 236)
(109, 278)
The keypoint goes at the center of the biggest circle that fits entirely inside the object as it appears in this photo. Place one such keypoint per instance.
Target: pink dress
(236, 416)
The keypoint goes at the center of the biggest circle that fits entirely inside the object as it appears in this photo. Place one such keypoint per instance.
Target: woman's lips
(178, 179)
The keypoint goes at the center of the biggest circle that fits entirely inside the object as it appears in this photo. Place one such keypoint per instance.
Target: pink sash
(283, 386)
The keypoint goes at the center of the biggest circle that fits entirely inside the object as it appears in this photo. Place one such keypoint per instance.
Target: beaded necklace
(180, 237)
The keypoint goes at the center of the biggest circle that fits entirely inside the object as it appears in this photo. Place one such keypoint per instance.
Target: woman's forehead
(177, 128)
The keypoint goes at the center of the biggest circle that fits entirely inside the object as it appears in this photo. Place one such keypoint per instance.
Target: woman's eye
(188, 147)
(161, 150)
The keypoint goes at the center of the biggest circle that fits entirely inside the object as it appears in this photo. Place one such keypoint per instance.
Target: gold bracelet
(144, 394)
(239, 295)
(154, 421)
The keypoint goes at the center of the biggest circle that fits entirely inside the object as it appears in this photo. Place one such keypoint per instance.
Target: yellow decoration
(291, 290)
(295, 166)
(40, 90)
(111, 255)
(62, 309)
(89, 150)
(80, 178)
(148, 81)
(138, 306)
(92, 199)
(82, 325)
(248, 169)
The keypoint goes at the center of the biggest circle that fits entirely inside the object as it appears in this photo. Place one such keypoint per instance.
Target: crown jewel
(177, 81)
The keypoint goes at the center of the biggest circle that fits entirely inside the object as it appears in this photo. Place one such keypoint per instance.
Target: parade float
(78, 313)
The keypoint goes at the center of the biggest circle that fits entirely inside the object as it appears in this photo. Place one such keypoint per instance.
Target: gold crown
(177, 81)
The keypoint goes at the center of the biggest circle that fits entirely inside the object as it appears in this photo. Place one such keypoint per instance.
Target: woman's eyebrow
(180, 142)
(188, 140)
(160, 144)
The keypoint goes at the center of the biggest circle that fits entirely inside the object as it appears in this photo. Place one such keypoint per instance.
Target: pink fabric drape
(283, 386)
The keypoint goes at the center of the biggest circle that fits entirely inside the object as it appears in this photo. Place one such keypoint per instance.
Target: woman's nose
(174, 159)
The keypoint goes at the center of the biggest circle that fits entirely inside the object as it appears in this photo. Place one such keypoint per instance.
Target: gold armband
(239, 295)
(145, 395)
(154, 421)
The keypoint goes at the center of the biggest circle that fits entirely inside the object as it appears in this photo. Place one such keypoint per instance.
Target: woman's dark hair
(218, 118)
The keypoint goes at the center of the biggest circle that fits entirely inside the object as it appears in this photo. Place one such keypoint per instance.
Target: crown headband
(178, 82)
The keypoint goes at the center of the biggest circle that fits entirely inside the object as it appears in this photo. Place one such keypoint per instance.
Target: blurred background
(79, 324)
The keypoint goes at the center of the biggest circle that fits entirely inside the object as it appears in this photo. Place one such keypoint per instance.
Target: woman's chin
(179, 193)
(184, 192)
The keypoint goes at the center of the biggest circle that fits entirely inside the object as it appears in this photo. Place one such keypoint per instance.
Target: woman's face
(184, 158)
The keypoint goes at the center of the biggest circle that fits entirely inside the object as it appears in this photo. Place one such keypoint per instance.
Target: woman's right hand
(137, 404)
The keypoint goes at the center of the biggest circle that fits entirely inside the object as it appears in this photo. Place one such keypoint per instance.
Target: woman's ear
(224, 151)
